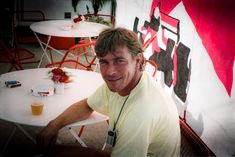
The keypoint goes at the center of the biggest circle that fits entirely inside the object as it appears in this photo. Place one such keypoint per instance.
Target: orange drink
(36, 108)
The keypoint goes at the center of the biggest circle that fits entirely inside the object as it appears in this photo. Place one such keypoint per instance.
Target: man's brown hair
(110, 39)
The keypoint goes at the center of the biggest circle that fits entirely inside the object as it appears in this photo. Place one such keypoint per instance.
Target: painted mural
(192, 43)
(173, 56)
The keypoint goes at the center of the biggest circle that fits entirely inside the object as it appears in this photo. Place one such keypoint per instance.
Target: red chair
(151, 67)
(69, 64)
(78, 57)
(16, 57)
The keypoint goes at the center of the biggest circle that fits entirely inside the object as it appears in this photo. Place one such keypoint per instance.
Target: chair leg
(81, 130)
(92, 62)
(15, 65)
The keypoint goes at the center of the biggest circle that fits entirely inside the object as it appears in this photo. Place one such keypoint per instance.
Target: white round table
(15, 102)
(66, 28)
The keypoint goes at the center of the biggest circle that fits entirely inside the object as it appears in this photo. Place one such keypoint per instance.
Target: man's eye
(101, 62)
(120, 61)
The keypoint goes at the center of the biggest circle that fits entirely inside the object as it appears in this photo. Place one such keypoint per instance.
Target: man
(143, 120)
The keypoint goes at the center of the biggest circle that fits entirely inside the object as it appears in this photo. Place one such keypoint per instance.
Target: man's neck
(132, 85)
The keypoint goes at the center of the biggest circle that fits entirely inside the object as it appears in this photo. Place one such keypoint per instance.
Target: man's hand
(48, 135)
(76, 112)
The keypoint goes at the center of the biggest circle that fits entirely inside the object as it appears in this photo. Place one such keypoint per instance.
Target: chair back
(151, 67)
(73, 64)
(79, 56)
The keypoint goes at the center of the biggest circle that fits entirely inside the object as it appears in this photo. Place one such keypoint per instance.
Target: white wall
(54, 9)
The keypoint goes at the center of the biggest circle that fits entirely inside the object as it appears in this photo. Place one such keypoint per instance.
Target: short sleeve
(98, 101)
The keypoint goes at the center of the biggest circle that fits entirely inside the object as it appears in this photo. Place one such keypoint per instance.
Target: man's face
(119, 70)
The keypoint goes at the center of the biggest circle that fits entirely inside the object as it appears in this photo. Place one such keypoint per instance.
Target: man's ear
(139, 60)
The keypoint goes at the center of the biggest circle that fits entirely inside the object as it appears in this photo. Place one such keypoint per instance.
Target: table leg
(44, 46)
(8, 141)
(26, 133)
(11, 136)
(44, 49)
(76, 136)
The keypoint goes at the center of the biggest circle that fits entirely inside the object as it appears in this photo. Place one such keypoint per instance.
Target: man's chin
(113, 89)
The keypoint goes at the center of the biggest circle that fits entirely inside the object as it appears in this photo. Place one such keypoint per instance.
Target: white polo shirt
(148, 124)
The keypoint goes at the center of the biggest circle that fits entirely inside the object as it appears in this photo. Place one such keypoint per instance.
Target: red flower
(58, 75)
(64, 78)
(57, 71)
(56, 78)
(78, 19)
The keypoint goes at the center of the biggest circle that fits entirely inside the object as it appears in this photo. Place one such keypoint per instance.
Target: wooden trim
(195, 140)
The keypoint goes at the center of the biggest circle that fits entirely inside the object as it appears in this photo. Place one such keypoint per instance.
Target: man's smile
(113, 79)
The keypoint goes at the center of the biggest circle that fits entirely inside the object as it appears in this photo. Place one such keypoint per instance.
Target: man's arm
(75, 112)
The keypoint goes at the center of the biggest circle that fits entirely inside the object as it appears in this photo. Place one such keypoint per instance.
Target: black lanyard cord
(115, 123)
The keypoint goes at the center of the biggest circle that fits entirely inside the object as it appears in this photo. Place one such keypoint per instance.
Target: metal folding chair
(93, 119)
(79, 56)
(16, 56)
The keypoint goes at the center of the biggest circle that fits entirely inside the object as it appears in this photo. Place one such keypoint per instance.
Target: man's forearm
(76, 112)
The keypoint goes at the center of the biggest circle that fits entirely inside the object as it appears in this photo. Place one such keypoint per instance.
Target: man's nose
(111, 69)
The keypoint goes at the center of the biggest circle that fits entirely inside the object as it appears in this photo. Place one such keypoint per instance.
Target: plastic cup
(37, 108)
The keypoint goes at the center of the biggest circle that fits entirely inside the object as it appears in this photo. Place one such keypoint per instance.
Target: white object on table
(64, 28)
(15, 104)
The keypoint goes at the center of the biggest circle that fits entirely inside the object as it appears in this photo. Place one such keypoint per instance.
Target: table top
(66, 28)
(15, 103)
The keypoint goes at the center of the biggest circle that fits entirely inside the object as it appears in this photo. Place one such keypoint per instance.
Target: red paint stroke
(214, 22)
(175, 66)
(153, 40)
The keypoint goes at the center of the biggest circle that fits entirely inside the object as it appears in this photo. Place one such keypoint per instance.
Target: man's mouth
(113, 79)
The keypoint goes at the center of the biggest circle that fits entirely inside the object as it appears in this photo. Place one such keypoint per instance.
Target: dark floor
(25, 147)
